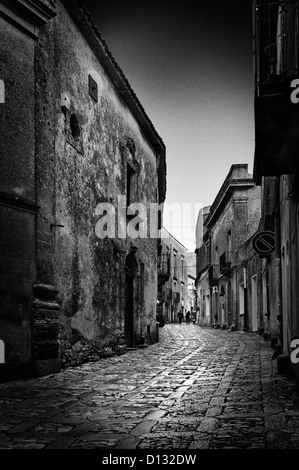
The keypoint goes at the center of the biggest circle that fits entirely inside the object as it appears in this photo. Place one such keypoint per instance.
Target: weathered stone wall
(17, 191)
(219, 240)
(288, 216)
(204, 299)
(58, 163)
(249, 259)
(254, 210)
(46, 116)
(78, 172)
(17, 113)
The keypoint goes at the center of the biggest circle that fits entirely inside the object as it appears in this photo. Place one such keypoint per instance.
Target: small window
(131, 146)
(75, 129)
(131, 185)
(93, 88)
(174, 266)
(275, 36)
(241, 299)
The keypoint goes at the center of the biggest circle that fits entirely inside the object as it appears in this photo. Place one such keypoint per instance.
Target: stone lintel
(28, 15)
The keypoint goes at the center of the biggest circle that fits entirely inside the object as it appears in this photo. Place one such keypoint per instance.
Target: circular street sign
(264, 242)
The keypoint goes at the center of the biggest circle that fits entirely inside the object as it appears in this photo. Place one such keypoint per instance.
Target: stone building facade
(276, 169)
(175, 267)
(77, 149)
(202, 284)
(191, 303)
(222, 231)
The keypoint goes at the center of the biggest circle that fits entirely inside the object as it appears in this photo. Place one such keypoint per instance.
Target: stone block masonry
(67, 297)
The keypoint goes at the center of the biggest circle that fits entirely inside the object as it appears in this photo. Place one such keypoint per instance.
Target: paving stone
(22, 427)
(201, 444)
(275, 421)
(197, 388)
(61, 443)
(81, 429)
(156, 414)
(214, 411)
(129, 442)
(143, 428)
(217, 401)
(207, 425)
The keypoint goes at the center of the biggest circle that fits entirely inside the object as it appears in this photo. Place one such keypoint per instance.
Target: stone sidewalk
(198, 388)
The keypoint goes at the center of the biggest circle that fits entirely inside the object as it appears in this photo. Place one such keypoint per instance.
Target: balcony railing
(226, 262)
(169, 294)
(163, 268)
(275, 41)
(276, 55)
(214, 274)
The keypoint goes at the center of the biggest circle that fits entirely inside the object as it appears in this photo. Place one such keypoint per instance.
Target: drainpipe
(245, 299)
(237, 297)
(278, 279)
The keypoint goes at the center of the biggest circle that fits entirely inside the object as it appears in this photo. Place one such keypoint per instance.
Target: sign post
(264, 242)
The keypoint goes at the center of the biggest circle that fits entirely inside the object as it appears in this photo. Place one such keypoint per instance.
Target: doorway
(229, 304)
(254, 303)
(130, 272)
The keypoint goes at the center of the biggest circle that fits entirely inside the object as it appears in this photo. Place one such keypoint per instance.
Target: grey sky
(191, 68)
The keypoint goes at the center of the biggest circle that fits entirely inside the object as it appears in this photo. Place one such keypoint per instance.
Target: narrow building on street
(191, 305)
(202, 284)
(276, 164)
(222, 230)
(176, 265)
(78, 258)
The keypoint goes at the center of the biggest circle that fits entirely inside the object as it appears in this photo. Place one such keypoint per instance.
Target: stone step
(16, 370)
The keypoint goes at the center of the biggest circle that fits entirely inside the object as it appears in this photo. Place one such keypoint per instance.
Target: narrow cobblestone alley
(198, 388)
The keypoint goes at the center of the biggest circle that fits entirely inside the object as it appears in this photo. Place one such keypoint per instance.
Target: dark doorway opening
(130, 272)
(229, 304)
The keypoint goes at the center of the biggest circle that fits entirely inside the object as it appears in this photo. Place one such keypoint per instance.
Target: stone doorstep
(11, 371)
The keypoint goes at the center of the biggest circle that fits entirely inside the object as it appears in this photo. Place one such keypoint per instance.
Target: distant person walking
(180, 315)
(188, 317)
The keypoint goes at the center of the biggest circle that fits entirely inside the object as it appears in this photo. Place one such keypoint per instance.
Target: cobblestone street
(198, 388)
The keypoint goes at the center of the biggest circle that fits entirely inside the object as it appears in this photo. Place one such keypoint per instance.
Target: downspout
(278, 280)
(245, 299)
(235, 308)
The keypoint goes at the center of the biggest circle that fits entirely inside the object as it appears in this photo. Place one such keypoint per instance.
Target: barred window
(275, 40)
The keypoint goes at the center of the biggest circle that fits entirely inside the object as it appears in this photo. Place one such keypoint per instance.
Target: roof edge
(228, 185)
(83, 20)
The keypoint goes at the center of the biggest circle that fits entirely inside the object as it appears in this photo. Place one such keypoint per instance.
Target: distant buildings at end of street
(176, 277)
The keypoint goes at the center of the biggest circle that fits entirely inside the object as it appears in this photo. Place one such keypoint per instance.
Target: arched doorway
(130, 272)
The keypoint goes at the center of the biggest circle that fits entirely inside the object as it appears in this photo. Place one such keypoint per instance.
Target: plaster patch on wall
(117, 170)
(2, 92)
(2, 352)
(84, 323)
